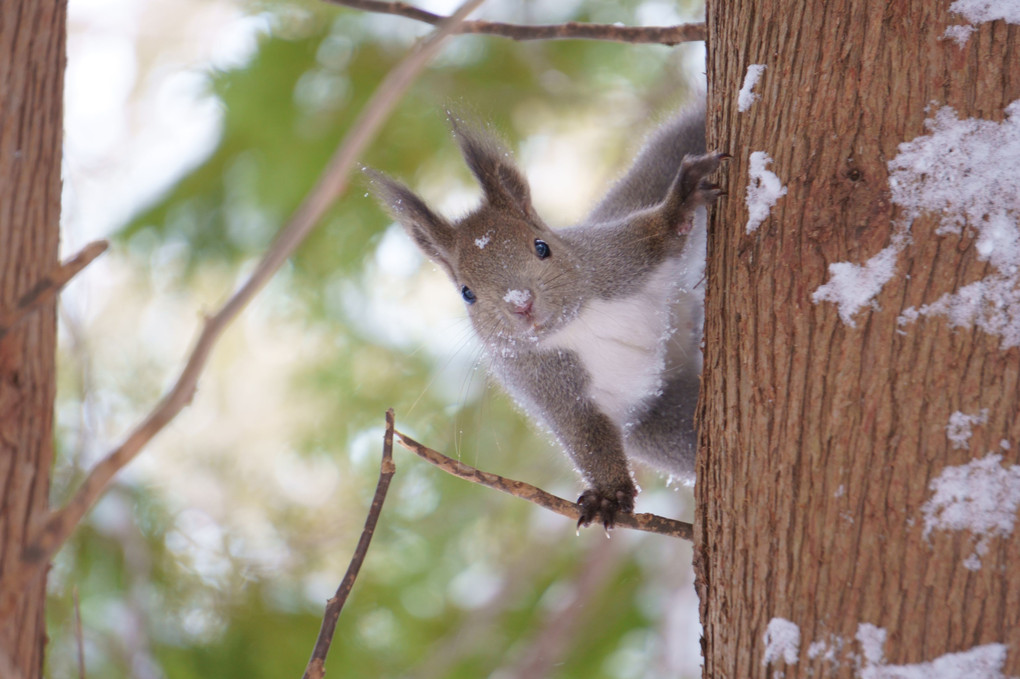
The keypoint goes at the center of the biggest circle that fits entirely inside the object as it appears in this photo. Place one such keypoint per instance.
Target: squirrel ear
(430, 232)
(503, 184)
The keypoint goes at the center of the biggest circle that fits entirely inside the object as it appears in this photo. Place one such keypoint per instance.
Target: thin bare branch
(651, 523)
(60, 523)
(662, 35)
(317, 663)
(49, 285)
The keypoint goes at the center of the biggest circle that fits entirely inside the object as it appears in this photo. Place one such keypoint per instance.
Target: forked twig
(651, 523)
(316, 668)
(44, 540)
(49, 285)
(662, 35)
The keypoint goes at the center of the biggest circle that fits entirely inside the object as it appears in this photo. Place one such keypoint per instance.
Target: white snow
(965, 172)
(763, 190)
(746, 97)
(782, 640)
(958, 431)
(981, 496)
(978, 11)
(959, 33)
(482, 242)
(517, 297)
(980, 662)
(852, 286)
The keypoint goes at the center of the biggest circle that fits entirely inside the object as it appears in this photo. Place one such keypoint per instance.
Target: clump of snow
(958, 431)
(959, 33)
(981, 496)
(980, 662)
(827, 649)
(517, 297)
(965, 172)
(852, 286)
(872, 641)
(782, 640)
(746, 97)
(978, 11)
(482, 242)
(763, 190)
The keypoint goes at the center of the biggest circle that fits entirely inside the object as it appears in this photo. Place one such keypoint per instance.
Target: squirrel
(587, 327)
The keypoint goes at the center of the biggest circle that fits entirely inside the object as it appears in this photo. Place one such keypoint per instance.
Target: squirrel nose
(520, 302)
(523, 309)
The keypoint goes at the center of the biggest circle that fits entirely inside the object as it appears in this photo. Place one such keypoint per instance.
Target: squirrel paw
(691, 188)
(604, 504)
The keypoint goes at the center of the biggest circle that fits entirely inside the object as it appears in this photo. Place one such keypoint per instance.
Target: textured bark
(32, 58)
(819, 440)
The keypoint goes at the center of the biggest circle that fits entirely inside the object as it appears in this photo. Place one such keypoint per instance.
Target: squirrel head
(519, 279)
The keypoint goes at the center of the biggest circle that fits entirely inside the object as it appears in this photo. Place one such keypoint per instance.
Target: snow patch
(517, 297)
(958, 431)
(981, 496)
(852, 286)
(959, 33)
(980, 662)
(965, 172)
(746, 97)
(979, 11)
(482, 242)
(763, 190)
(782, 640)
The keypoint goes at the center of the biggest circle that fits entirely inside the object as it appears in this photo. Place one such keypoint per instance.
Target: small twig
(316, 668)
(651, 523)
(58, 525)
(79, 635)
(663, 35)
(49, 285)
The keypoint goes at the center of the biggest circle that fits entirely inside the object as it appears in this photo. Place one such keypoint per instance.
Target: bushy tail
(646, 182)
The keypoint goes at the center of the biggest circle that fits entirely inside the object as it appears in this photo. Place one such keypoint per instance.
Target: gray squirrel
(587, 327)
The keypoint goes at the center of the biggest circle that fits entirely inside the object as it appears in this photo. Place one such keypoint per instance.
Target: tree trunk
(824, 424)
(32, 58)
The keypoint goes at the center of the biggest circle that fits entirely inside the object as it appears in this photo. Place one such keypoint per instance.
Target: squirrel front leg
(553, 387)
(690, 190)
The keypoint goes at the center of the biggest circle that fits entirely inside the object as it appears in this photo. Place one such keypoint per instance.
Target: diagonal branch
(49, 285)
(47, 539)
(663, 35)
(317, 663)
(646, 522)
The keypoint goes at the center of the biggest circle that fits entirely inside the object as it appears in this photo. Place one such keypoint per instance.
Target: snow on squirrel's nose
(520, 301)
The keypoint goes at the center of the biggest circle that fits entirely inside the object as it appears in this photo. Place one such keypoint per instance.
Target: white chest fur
(621, 343)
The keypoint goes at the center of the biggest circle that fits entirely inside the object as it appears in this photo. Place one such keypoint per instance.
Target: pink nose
(522, 308)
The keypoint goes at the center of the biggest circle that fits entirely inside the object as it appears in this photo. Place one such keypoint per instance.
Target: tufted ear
(504, 185)
(432, 234)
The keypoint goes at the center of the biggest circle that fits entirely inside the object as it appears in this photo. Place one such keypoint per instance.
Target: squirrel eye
(468, 296)
(542, 249)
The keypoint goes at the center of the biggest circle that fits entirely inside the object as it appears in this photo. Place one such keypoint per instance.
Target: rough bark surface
(32, 58)
(819, 440)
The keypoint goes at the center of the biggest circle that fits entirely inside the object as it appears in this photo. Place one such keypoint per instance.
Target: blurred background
(193, 130)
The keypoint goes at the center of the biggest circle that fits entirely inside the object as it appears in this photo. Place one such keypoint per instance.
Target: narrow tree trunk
(32, 57)
(820, 438)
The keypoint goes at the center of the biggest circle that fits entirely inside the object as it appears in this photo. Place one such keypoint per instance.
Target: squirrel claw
(596, 505)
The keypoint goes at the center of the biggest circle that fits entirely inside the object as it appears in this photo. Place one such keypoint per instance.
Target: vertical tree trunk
(820, 438)
(32, 57)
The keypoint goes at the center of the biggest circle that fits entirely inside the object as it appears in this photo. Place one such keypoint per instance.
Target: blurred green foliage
(460, 581)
